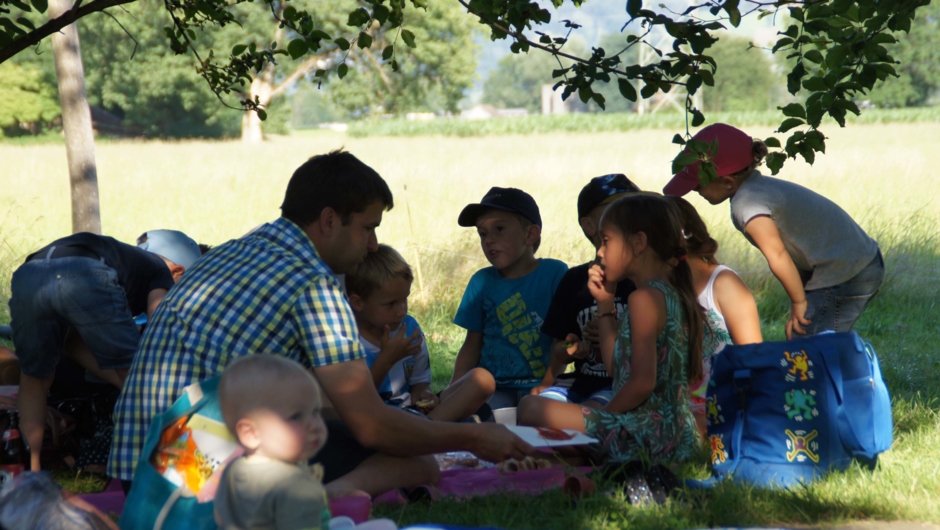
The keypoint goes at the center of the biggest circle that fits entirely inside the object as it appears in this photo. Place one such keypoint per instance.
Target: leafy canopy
(838, 49)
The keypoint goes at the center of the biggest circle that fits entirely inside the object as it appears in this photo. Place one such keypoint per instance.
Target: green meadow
(879, 172)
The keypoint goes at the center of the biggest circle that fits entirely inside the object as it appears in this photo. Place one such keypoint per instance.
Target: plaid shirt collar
(285, 234)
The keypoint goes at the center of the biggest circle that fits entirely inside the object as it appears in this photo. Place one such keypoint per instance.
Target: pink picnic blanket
(454, 483)
(466, 483)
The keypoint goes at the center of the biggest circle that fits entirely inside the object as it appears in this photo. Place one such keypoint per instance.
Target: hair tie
(681, 258)
(681, 253)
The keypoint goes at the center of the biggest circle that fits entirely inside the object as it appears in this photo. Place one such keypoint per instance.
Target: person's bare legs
(543, 412)
(31, 404)
(77, 350)
(380, 473)
(465, 396)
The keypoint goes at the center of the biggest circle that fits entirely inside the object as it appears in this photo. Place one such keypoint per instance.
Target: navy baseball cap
(603, 190)
(508, 199)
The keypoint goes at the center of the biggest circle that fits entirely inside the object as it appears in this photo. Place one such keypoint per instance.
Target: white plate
(532, 437)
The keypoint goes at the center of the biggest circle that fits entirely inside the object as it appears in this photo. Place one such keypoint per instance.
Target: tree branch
(302, 70)
(53, 26)
(554, 51)
(378, 67)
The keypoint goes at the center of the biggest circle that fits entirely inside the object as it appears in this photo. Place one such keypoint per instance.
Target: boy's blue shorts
(564, 393)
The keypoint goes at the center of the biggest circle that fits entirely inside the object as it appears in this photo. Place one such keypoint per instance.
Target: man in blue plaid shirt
(275, 291)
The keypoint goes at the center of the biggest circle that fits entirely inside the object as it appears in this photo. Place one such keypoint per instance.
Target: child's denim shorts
(49, 296)
(837, 308)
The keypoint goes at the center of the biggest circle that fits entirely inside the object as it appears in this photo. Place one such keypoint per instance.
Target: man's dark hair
(336, 180)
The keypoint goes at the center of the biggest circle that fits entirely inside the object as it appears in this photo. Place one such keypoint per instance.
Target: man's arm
(763, 231)
(468, 357)
(392, 431)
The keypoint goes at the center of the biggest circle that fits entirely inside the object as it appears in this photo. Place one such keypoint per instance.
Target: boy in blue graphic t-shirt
(504, 305)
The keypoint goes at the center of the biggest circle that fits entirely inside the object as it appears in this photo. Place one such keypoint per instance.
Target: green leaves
(734, 16)
(794, 110)
(775, 161)
(835, 58)
(364, 40)
(814, 56)
(794, 78)
(297, 48)
(342, 70)
(626, 89)
(790, 123)
(633, 7)
(408, 37)
(358, 17)
(683, 159)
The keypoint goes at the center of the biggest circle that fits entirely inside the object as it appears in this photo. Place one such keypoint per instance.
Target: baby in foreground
(271, 405)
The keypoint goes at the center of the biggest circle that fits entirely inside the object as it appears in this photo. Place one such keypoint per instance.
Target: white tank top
(714, 341)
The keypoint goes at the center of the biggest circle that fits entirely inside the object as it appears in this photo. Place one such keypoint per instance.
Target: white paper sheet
(532, 437)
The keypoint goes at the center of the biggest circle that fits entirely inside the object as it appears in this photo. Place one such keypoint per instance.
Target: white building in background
(552, 102)
(485, 112)
(420, 116)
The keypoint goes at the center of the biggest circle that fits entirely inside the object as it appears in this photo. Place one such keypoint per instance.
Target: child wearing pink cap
(828, 266)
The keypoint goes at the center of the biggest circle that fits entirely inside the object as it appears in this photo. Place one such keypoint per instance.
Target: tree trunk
(261, 87)
(76, 123)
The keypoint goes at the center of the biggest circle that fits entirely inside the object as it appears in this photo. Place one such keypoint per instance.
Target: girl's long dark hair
(658, 218)
(698, 241)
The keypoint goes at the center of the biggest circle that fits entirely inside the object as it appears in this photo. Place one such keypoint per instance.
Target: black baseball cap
(603, 190)
(507, 199)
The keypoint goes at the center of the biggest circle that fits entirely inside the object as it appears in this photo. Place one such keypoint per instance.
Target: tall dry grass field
(881, 174)
(218, 190)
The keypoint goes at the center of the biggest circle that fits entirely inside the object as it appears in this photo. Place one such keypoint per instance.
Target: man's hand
(401, 346)
(495, 443)
(797, 319)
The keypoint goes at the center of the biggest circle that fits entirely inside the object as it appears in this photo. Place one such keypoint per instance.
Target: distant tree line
(132, 73)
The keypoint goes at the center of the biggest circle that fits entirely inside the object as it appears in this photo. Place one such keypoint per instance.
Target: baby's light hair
(376, 270)
(255, 382)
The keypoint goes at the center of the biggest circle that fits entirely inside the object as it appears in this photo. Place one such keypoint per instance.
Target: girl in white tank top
(730, 309)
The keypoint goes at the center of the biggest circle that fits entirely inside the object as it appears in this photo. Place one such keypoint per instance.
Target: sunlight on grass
(880, 174)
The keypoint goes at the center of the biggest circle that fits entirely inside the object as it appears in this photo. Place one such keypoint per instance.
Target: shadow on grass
(726, 505)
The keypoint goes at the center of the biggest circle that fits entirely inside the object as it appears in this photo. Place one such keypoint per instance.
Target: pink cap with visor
(734, 154)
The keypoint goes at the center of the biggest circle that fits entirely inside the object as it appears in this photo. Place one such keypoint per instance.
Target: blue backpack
(785, 413)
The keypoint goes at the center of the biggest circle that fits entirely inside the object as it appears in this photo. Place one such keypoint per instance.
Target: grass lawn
(880, 173)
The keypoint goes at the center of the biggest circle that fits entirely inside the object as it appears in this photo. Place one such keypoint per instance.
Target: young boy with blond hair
(396, 350)
(271, 405)
(505, 304)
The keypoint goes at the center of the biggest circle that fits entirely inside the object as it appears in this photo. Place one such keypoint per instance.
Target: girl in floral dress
(656, 351)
